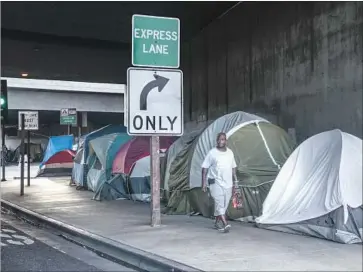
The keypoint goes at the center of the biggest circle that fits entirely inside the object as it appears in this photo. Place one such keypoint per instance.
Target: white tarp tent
(318, 191)
(140, 180)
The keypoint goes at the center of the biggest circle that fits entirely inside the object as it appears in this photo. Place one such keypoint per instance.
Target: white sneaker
(227, 228)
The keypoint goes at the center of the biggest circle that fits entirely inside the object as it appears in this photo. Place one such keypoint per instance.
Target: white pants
(221, 197)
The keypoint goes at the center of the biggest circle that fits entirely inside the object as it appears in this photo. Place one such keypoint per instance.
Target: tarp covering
(321, 176)
(134, 150)
(56, 144)
(176, 177)
(79, 174)
(260, 149)
(114, 188)
(207, 140)
(174, 150)
(102, 153)
(60, 164)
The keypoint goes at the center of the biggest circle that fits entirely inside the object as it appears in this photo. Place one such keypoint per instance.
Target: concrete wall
(298, 64)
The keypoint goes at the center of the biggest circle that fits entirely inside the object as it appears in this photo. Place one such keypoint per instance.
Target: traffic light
(4, 102)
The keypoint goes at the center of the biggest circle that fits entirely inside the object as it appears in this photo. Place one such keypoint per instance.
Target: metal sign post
(155, 181)
(22, 147)
(28, 120)
(28, 156)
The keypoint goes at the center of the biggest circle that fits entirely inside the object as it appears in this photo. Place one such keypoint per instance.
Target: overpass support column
(82, 123)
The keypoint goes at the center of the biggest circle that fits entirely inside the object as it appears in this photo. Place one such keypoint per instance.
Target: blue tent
(57, 144)
(79, 173)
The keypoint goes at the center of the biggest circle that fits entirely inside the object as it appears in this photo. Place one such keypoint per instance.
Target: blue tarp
(57, 144)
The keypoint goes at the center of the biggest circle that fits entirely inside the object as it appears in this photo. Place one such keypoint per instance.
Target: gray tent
(100, 180)
(318, 191)
(260, 149)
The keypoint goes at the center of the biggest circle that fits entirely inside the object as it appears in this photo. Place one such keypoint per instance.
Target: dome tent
(175, 182)
(260, 149)
(102, 152)
(174, 150)
(135, 149)
(139, 181)
(58, 157)
(79, 172)
(132, 161)
(318, 191)
(59, 164)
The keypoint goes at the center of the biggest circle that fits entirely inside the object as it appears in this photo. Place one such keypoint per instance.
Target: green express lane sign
(155, 41)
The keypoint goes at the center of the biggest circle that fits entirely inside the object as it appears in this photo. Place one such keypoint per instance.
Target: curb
(127, 255)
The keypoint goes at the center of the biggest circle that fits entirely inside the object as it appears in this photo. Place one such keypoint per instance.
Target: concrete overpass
(97, 104)
(50, 95)
(294, 62)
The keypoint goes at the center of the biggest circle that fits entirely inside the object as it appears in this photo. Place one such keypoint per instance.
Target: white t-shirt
(220, 165)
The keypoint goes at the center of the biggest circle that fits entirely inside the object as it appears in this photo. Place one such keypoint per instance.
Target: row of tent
(309, 190)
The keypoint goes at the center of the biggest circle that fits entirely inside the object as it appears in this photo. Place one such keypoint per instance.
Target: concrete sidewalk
(189, 240)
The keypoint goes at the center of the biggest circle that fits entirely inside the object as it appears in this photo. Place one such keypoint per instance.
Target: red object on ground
(237, 198)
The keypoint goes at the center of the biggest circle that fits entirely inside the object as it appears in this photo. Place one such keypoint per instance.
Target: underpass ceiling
(105, 21)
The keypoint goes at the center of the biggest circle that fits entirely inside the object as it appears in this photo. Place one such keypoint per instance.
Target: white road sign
(126, 118)
(31, 120)
(155, 102)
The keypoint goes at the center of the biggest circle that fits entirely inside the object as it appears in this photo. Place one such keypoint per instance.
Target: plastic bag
(237, 200)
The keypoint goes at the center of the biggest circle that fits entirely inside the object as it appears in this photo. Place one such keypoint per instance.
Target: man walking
(219, 169)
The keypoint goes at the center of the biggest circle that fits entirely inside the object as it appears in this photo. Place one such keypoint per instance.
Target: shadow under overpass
(49, 122)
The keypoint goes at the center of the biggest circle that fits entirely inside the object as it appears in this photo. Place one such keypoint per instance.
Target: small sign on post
(68, 117)
(28, 120)
(31, 120)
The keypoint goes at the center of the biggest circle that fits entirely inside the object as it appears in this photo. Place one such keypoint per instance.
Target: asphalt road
(22, 251)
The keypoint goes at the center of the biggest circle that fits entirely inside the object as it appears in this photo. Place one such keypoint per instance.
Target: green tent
(101, 155)
(260, 150)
